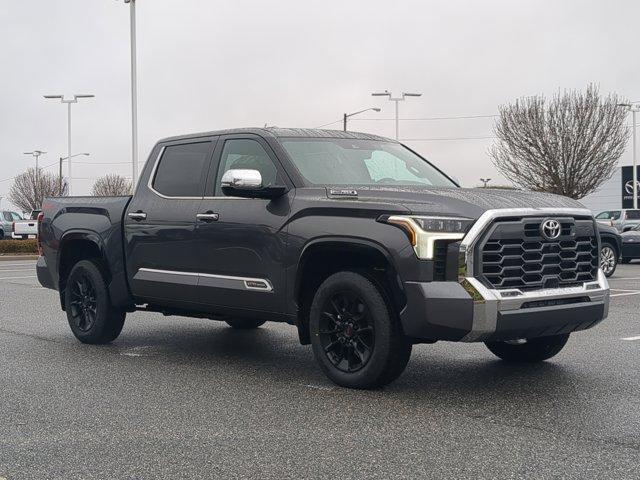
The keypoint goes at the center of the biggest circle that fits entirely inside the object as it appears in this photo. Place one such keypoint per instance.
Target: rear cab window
(633, 215)
(182, 170)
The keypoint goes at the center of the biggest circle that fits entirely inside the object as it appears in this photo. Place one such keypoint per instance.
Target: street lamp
(69, 102)
(485, 181)
(36, 153)
(633, 108)
(347, 115)
(134, 93)
(386, 93)
(60, 171)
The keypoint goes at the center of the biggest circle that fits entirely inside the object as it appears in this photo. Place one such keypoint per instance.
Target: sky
(206, 65)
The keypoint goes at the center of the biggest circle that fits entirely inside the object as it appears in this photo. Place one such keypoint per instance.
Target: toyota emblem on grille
(550, 229)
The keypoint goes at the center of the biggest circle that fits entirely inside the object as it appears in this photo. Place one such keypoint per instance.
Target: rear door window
(615, 215)
(182, 170)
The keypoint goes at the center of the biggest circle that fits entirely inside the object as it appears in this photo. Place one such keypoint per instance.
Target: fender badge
(343, 192)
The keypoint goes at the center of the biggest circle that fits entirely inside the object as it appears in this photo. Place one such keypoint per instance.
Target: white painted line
(623, 278)
(632, 338)
(624, 290)
(16, 270)
(613, 294)
(19, 264)
(15, 278)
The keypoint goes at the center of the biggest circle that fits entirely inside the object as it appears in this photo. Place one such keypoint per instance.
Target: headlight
(423, 232)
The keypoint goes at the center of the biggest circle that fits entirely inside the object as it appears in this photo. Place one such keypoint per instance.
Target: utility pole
(386, 93)
(36, 153)
(633, 108)
(60, 170)
(69, 102)
(345, 116)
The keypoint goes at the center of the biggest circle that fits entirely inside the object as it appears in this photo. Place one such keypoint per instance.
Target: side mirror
(248, 184)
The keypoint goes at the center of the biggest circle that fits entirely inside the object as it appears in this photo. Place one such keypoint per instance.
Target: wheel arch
(320, 258)
(77, 245)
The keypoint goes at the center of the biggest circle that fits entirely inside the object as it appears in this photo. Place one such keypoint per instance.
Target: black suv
(355, 239)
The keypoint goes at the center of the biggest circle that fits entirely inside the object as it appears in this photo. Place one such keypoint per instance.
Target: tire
(244, 323)
(532, 351)
(92, 317)
(355, 334)
(608, 259)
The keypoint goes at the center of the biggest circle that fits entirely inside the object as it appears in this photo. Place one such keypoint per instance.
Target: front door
(242, 244)
(160, 223)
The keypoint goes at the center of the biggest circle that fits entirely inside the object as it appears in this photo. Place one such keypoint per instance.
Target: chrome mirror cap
(242, 179)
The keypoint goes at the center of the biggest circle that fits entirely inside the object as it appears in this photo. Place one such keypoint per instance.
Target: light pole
(134, 93)
(60, 171)
(633, 108)
(36, 153)
(347, 115)
(485, 181)
(69, 102)
(386, 93)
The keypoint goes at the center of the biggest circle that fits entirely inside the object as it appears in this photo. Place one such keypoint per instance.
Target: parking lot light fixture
(347, 115)
(387, 93)
(36, 154)
(69, 101)
(633, 108)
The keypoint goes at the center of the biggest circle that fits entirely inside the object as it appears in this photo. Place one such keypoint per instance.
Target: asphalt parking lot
(182, 398)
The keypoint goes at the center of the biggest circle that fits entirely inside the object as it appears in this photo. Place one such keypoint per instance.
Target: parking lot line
(16, 269)
(625, 293)
(624, 278)
(637, 337)
(15, 278)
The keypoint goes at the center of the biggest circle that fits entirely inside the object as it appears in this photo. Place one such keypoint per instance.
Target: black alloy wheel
(84, 304)
(346, 331)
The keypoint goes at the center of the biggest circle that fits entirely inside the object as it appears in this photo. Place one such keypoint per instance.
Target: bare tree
(111, 185)
(568, 145)
(31, 187)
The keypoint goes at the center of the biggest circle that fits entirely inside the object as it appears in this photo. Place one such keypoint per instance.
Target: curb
(6, 258)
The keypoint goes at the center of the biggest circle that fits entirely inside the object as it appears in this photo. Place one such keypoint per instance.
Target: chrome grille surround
(489, 300)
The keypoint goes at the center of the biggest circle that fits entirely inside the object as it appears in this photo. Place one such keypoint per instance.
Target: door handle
(207, 217)
(137, 216)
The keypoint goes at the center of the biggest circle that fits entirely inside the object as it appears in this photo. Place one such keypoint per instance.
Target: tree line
(30, 188)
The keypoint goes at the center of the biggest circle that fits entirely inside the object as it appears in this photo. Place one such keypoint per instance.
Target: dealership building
(615, 193)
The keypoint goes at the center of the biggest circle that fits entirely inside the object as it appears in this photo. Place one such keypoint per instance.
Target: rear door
(160, 223)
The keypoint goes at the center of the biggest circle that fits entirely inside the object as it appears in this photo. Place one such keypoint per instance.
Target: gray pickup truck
(360, 243)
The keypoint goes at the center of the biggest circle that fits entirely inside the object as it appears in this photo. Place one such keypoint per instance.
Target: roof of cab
(284, 133)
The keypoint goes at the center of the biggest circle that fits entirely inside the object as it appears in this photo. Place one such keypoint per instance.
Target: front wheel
(608, 259)
(532, 350)
(355, 335)
(92, 317)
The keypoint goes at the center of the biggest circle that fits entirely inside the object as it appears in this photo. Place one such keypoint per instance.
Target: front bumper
(447, 311)
(468, 311)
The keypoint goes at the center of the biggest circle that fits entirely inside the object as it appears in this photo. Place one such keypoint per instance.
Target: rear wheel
(531, 350)
(608, 259)
(244, 323)
(356, 337)
(92, 317)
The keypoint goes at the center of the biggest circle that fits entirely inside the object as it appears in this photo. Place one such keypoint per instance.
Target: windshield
(337, 161)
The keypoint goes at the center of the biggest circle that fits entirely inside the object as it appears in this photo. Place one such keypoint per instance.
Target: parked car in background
(622, 220)
(610, 248)
(630, 245)
(7, 218)
(26, 228)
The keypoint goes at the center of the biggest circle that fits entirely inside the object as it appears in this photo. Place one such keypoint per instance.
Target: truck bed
(96, 222)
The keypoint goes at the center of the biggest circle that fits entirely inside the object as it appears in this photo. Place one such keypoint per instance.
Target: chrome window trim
(167, 197)
(245, 280)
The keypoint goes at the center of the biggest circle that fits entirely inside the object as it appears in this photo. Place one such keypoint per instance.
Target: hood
(468, 202)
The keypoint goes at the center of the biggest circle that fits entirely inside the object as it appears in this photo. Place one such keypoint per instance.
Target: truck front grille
(514, 254)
